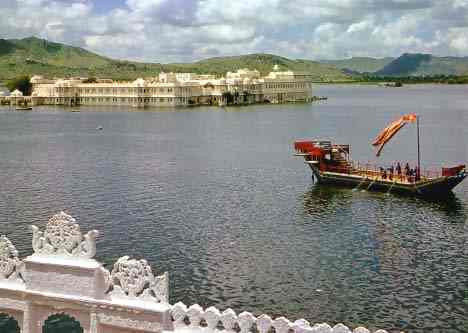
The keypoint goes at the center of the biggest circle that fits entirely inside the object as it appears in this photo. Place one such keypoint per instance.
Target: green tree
(22, 83)
(90, 80)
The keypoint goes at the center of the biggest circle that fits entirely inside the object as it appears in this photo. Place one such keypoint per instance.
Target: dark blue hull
(435, 188)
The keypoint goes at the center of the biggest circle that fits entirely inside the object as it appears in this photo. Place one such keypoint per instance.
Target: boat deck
(395, 178)
(373, 175)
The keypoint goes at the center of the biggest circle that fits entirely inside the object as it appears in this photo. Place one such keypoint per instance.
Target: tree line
(446, 79)
(21, 83)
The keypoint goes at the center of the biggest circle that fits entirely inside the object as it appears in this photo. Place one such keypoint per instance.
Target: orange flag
(392, 129)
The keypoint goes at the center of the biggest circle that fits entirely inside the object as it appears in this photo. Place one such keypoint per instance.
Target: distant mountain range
(38, 56)
(408, 64)
(359, 64)
(425, 64)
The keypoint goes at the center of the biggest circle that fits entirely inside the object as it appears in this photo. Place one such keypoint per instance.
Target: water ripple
(216, 199)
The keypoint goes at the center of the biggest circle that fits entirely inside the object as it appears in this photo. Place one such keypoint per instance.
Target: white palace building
(177, 89)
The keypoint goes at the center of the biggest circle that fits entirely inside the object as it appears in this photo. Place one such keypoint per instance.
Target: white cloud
(459, 40)
(183, 30)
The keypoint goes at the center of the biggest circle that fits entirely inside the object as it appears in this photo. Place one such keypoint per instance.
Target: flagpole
(419, 150)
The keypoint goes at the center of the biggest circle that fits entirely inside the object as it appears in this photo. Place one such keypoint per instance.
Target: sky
(187, 30)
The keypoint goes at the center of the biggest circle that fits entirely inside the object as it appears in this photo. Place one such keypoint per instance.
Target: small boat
(75, 110)
(26, 108)
(331, 164)
(99, 128)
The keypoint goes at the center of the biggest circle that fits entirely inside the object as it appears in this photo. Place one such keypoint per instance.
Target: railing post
(93, 323)
(28, 325)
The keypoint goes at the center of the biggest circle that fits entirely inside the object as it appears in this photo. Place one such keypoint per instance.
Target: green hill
(360, 64)
(32, 55)
(40, 51)
(419, 64)
(264, 64)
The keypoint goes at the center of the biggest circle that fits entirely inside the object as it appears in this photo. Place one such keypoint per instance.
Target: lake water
(215, 197)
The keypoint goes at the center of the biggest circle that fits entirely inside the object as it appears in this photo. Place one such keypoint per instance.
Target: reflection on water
(320, 198)
(217, 199)
(405, 254)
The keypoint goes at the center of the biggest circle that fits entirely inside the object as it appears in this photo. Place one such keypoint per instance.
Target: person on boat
(412, 174)
(398, 169)
(381, 172)
(407, 169)
(384, 174)
(417, 176)
(391, 170)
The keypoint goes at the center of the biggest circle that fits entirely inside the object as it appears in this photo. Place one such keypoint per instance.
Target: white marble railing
(195, 319)
(61, 276)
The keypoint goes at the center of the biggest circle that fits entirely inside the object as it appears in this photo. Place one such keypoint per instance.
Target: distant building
(16, 93)
(177, 89)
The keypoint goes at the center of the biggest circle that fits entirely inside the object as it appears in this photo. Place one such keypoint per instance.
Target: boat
(26, 108)
(331, 164)
(396, 84)
(75, 110)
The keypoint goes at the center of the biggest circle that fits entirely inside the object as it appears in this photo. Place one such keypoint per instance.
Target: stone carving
(179, 312)
(340, 328)
(212, 316)
(134, 279)
(264, 323)
(281, 325)
(107, 279)
(302, 322)
(321, 328)
(10, 265)
(229, 320)
(195, 313)
(361, 330)
(244, 323)
(246, 320)
(129, 323)
(300, 326)
(63, 237)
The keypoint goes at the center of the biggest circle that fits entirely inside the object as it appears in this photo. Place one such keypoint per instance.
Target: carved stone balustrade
(195, 319)
(61, 277)
(10, 265)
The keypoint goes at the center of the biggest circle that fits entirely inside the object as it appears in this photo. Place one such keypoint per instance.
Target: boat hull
(437, 187)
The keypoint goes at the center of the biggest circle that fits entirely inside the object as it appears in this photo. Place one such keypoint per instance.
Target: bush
(90, 80)
(22, 83)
